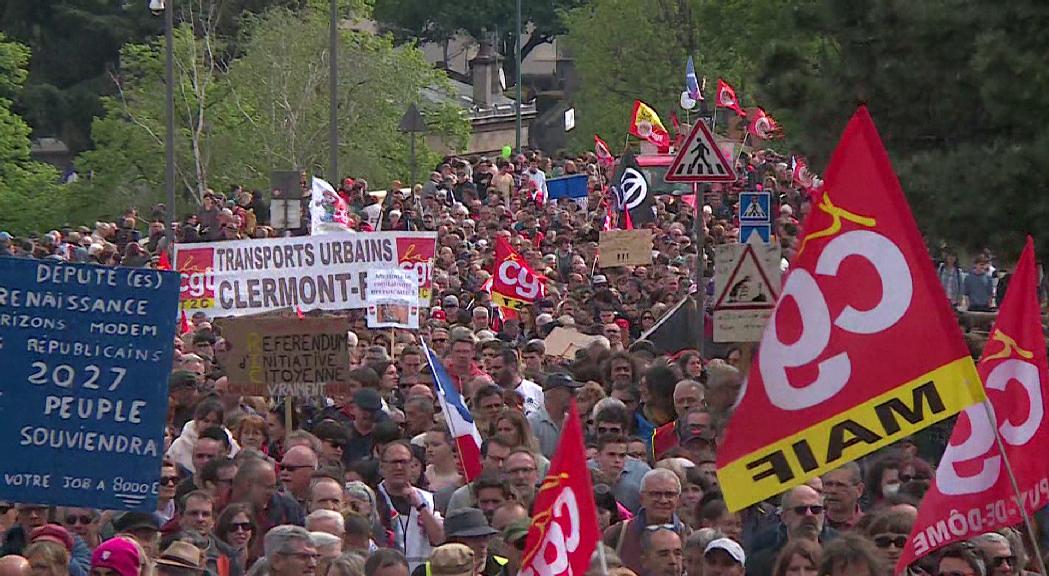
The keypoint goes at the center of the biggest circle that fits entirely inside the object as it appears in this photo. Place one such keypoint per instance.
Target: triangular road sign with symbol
(748, 286)
(700, 159)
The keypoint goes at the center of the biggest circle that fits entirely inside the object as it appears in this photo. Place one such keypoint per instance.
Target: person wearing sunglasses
(960, 559)
(889, 530)
(82, 522)
(999, 554)
(802, 517)
(236, 527)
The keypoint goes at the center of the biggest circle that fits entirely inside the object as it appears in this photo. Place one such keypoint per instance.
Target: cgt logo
(416, 254)
(197, 286)
(524, 284)
(560, 536)
(1014, 430)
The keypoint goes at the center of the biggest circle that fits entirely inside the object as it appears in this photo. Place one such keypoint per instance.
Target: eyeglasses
(304, 556)
(908, 478)
(169, 481)
(997, 561)
(293, 468)
(84, 519)
(667, 495)
(240, 527)
(886, 540)
(658, 527)
(814, 509)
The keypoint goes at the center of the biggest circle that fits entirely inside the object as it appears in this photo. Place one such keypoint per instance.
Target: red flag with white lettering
(514, 283)
(564, 531)
(971, 492)
(836, 374)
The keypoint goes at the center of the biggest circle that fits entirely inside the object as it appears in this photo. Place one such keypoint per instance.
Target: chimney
(484, 72)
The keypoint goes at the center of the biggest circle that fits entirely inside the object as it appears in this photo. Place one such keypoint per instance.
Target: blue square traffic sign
(755, 207)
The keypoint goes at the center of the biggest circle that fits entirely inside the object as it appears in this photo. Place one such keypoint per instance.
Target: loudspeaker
(287, 184)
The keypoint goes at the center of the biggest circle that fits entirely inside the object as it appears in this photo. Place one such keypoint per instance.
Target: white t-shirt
(532, 394)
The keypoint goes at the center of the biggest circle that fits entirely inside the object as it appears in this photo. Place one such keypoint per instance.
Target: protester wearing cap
(142, 526)
(367, 412)
(116, 557)
(723, 557)
(558, 390)
(468, 527)
(181, 559)
(449, 560)
(33, 517)
(333, 439)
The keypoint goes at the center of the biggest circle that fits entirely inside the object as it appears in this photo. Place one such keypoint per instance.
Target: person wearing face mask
(883, 480)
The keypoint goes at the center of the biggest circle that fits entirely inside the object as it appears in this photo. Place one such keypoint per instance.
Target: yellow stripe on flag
(505, 302)
(880, 421)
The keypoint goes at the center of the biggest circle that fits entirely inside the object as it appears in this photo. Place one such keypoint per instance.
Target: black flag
(676, 331)
(633, 192)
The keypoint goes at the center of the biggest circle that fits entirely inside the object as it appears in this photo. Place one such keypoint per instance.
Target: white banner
(328, 272)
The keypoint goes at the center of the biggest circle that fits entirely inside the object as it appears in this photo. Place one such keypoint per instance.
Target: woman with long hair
(236, 527)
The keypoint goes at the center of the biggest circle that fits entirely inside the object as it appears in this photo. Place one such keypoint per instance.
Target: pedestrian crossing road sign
(700, 159)
(755, 207)
(748, 230)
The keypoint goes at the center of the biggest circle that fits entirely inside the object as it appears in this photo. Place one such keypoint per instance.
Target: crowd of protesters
(368, 481)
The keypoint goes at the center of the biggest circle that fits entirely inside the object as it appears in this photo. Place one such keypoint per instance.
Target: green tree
(637, 49)
(957, 92)
(266, 110)
(29, 195)
(427, 21)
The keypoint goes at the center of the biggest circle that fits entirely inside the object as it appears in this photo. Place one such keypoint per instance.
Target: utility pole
(333, 94)
(517, 56)
(169, 112)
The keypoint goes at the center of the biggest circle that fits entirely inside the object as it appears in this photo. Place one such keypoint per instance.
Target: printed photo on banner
(327, 272)
(393, 314)
(91, 349)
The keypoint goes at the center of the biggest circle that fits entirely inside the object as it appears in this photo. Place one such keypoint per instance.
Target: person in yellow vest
(467, 527)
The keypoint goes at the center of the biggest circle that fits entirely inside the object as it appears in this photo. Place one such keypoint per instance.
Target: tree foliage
(29, 193)
(632, 49)
(958, 93)
(238, 119)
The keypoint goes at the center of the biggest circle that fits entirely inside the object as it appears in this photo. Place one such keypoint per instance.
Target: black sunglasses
(886, 540)
(84, 519)
(814, 509)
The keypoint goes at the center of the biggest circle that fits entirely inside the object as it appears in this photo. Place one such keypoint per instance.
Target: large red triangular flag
(184, 326)
(971, 493)
(836, 375)
(564, 530)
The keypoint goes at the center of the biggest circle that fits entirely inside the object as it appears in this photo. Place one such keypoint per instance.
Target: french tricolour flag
(457, 416)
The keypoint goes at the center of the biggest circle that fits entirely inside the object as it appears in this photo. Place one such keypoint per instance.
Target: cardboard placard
(271, 357)
(625, 248)
(564, 342)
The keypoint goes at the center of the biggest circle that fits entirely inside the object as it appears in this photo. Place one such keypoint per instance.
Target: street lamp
(156, 6)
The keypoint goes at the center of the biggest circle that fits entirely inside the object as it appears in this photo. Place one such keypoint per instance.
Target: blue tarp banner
(85, 353)
(567, 187)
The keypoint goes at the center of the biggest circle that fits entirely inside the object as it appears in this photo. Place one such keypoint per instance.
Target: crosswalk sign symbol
(755, 207)
(700, 159)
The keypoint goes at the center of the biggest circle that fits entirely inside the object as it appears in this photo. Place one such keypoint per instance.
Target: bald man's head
(802, 512)
(14, 566)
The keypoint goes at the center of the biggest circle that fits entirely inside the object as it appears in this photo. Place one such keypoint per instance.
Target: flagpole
(743, 143)
(1016, 489)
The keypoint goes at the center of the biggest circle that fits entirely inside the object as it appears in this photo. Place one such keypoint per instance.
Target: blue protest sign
(755, 207)
(86, 352)
(567, 187)
(764, 231)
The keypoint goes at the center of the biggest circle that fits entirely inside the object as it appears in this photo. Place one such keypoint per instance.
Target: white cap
(730, 546)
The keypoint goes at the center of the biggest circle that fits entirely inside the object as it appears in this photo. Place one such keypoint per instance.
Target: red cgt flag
(762, 125)
(836, 375)
(564, 531)
(727, 98)
(514, 283)
(971, 492)
(601, 150)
